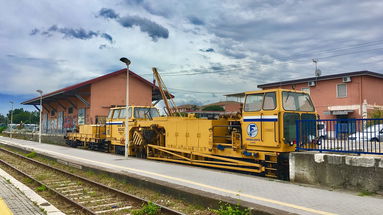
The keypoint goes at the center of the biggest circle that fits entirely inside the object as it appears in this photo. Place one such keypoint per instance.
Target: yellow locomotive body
(109, 137)
(88, 136)
(257, 140)
(115, 124)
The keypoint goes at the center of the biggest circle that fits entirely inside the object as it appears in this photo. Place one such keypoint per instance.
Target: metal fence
(361, 136)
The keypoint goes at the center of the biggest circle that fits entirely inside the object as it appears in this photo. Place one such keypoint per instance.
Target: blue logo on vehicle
(252, 130)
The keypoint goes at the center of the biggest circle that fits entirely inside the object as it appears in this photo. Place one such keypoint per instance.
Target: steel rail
(137, 199)
(83, 209)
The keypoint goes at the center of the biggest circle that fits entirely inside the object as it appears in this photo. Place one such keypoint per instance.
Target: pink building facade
(347, 95)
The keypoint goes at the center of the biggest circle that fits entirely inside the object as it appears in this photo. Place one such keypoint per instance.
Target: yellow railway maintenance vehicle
(258, 141)
(109, 137)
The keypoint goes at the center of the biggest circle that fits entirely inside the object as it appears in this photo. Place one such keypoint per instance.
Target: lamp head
(39, 91)
(125, 60)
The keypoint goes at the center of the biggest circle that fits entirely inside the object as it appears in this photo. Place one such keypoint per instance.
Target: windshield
(297, 101)
(254, 102)
(146, 113)
(122, 114)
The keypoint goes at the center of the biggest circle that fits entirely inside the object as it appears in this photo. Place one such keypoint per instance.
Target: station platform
(281, 195)
(18, 199)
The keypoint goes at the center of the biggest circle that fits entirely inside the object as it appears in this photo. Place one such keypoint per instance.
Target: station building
(88, 102)
(340, 96)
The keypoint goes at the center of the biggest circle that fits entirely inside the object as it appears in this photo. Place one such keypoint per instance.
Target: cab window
(122, 114)
(297, 101)
(269, 102)
(110, 114)
(253, 102)
(116, 113)
(145, 113)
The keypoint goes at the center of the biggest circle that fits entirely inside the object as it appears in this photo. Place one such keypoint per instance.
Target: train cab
(115, 123)
(269, 118)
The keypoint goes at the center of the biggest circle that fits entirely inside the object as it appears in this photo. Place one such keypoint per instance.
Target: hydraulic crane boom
(171, 107)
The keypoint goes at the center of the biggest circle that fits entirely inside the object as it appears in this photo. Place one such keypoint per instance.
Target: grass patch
(147, 209)
(227, 209)
(31, 155)
(41, 188)
(366, 193)
(27, 181)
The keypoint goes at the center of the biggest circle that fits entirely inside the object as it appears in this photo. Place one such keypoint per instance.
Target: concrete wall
(337, 171)
(56, 139)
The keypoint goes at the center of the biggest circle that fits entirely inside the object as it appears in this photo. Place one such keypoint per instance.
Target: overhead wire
(366, 44)
(191, 72)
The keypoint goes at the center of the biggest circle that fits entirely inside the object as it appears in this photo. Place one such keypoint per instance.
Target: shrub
(147, 209)
(227, 209)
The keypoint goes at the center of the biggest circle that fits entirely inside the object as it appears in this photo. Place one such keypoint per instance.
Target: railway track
(88, 197)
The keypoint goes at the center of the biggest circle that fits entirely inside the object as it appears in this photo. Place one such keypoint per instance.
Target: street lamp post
(127, 62)
(11, 128)
(41, 110)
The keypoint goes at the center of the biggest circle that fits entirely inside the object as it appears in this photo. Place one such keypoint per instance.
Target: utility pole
(11, 128)
(317, 72)
(41, 110)
(127, 62)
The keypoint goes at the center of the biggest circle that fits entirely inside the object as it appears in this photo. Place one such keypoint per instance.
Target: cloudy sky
(203, 49)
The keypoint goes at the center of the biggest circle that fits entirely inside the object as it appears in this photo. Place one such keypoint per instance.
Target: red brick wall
(324, 94)
(372, 89)
(100, 95)
(112, 91)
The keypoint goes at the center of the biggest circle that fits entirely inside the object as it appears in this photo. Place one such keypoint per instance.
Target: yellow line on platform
(4, 210)
(235, 193)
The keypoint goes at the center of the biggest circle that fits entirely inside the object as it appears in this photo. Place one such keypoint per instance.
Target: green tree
(376, 114)
(213, 108)
(3, 119)
(21, 115)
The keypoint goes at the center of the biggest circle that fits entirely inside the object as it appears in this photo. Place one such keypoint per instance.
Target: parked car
(322, 130)
(371, 133)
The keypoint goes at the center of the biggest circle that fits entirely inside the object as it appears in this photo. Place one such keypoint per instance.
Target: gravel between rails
(88, 196)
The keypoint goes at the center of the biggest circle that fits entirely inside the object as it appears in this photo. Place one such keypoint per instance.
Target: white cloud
(254, 42)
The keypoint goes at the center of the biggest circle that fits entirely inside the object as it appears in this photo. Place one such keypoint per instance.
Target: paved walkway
(282, 195)
(16, 200)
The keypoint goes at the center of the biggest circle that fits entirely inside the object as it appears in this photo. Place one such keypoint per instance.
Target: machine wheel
(283, 166)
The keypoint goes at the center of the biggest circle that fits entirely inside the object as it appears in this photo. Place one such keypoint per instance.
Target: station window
(341, 90)
(81, 116)
(70, 110)
(53, 112)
